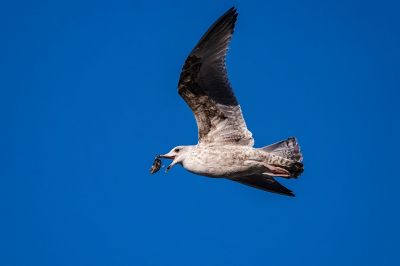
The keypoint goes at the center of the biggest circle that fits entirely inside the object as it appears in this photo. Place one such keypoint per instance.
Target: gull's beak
(170, 166)
(168, 156)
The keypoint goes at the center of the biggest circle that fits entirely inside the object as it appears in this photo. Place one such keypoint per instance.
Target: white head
(177, 154)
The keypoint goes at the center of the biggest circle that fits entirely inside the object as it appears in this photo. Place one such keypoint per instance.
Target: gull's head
(177, 155)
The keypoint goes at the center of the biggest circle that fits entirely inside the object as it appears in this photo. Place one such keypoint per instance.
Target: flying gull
(225, 145)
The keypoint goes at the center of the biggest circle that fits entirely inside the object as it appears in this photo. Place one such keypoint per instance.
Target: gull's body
(230, 161)
(223, 160)
(225, 148)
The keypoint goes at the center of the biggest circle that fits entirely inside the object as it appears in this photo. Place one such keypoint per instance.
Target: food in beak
(156, 165)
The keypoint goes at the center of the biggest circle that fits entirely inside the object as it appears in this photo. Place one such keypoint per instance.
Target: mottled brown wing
(264, 183)
(205, 87)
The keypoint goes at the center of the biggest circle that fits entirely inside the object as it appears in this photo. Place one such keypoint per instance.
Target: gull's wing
(205, 87)
(265, 183)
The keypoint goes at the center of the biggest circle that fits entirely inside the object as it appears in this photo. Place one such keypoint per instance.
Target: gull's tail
(287, 159)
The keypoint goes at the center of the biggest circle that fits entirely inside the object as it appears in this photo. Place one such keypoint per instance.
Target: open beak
(167, 156)
(170, 166)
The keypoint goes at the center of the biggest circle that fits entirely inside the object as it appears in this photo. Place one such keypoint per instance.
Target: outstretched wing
(205, 87)
(265, 183)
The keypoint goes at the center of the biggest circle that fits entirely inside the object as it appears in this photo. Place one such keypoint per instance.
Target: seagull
(225, 145)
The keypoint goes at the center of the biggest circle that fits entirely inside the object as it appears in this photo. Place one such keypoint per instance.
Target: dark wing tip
(230, 16)
(229, 19)
(278, 188)
(222, 26)
(265, 183)
(290, 194)
(232, 12)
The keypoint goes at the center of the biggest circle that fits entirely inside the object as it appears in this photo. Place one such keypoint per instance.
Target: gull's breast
(220, 161)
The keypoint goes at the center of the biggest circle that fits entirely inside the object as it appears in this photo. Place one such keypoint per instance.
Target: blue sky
(88, 97)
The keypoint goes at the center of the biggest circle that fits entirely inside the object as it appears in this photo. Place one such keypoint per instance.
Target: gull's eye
(177, 150)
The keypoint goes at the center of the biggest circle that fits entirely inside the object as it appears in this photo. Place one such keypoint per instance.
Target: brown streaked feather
(205, 87)
(265, 183)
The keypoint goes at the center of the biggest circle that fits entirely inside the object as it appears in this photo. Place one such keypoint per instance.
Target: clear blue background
(88, 97)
